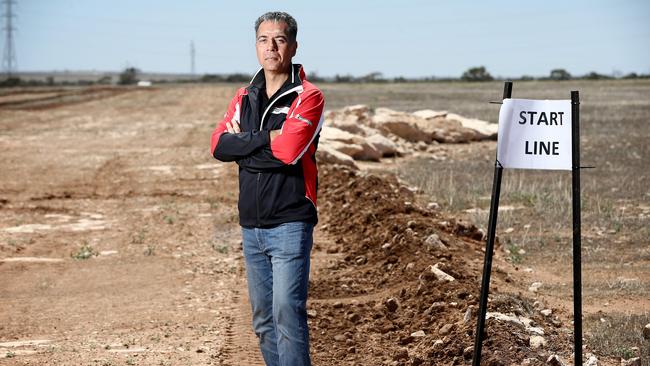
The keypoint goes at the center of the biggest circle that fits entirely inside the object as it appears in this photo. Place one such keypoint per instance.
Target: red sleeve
(300, 128)
(232, 112)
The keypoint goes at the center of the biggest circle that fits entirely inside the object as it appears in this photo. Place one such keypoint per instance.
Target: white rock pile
(358, 133)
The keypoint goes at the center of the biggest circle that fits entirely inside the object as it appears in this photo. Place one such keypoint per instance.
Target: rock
(384, 145)
(445, 329)
(352, 119)
(433, 206)
(440, 274)
(537, 341)
(354, 317)
(409, 266)
(591, 361)
(327, 154)
(311, 314)
(636, 361)
(340, 338)
(401, 354)
(438, 344)
(404, 125)
(349, 144)
(433, 242)
(391, 305)
(468, 352)
(527, 323)
(530, 362)
(534, 287)
(328, 133)
(418, 334)
(417, 361)
(485, 129)
(429, 114)
(468, 314)
(646, 331)
(538, 305)
(349, 149)
(554, 360)
(352, 350)
(546, 312)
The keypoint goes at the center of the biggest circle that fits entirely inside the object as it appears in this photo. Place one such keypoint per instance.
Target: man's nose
(273, 45)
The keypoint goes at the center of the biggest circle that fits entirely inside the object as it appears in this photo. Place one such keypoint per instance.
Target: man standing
(271, 131)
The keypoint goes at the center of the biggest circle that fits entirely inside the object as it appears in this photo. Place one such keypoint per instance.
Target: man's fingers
(235, 126)
(229, 127)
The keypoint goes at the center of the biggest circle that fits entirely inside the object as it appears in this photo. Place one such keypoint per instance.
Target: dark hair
(279, 16)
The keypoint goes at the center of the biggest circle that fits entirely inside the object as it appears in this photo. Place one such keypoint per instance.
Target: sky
(396, 38)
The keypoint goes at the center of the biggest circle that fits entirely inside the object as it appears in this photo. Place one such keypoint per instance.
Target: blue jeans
(277, 267)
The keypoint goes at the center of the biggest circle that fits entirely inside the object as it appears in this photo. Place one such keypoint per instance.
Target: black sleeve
(260, 160)
(234, 146)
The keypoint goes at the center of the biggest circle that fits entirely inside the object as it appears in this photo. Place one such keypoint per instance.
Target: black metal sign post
(577, 255)
(577, 261)
(489, 247)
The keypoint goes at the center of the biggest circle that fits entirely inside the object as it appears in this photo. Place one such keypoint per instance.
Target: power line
(9, 63)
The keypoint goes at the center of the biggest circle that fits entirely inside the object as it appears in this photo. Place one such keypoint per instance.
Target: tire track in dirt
(241, 345)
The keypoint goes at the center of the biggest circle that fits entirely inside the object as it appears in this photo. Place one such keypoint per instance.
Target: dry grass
(616, 335)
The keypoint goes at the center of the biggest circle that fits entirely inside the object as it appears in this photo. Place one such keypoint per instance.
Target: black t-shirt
(264, 100)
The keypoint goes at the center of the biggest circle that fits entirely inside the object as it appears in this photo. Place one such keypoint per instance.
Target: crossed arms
(266, 150)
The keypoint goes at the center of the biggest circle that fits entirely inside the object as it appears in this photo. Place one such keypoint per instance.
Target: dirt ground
(119, 245)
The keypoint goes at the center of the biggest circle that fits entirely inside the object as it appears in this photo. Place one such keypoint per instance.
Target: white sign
(535, 134)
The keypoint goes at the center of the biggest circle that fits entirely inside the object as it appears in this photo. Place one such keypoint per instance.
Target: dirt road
(127, 182)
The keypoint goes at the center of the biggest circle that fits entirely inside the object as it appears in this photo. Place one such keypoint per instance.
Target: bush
(129, 76)
(476, 74)
(560, 74)
(10, 82)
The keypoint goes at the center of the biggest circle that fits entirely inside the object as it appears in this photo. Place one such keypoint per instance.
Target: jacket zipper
(257, 198)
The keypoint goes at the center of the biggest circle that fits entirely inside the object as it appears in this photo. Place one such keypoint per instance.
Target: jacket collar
(295, 79)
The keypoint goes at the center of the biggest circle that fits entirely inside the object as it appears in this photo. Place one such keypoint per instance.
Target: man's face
(274, 48)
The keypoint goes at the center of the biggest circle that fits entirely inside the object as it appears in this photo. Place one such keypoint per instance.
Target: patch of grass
(85, 252)
(223, 249)
(169, 219)
(151, 250)
(10, 354)
(514, 254)
(618, 334)
(139, 237)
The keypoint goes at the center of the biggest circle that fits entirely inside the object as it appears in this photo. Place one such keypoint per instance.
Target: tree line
(131, 75)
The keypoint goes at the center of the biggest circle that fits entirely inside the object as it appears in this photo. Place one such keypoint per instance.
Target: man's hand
(274, 133)
(233, 126)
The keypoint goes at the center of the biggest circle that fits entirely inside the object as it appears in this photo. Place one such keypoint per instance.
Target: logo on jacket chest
(280, 110)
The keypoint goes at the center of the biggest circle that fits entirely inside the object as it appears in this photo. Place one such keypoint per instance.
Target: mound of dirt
(403, 284)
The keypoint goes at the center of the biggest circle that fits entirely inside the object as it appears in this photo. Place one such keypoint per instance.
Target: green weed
(85, 252)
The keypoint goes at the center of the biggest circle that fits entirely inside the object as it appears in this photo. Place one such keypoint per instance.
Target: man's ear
(295, 48)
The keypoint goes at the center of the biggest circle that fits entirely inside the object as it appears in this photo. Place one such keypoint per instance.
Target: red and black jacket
(277, 180)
